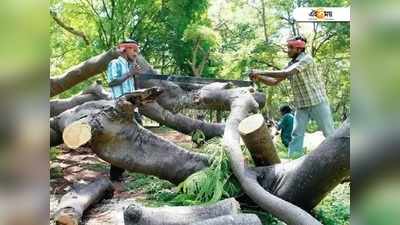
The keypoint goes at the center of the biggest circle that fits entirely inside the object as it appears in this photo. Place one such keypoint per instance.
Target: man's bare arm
(279, 73)
(269, 80)
(119, 81)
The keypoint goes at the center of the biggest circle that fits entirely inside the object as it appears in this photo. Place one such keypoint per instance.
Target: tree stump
(258, 140)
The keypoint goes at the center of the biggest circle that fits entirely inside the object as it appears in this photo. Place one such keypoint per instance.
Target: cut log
(243, 103)
(81, 72)
(307, 180)
(77, 134)
(74, 203)
(238, 219)
(178, 215)
(258, 140)
(94, 92)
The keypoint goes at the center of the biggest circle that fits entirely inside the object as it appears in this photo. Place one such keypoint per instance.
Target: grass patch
(54, 152)
(98, 167)
(334, 209)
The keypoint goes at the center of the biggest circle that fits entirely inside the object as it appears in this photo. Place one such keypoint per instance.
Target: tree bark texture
(74, 203)
(179, 215)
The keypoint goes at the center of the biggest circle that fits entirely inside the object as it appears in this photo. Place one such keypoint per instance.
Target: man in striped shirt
(120, 74)
(308, 90)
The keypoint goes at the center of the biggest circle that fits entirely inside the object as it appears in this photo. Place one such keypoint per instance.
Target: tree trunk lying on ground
(238, 219)
(116, 138)
(179, 215)
(94, 92)
(74, 203)
(258, 140)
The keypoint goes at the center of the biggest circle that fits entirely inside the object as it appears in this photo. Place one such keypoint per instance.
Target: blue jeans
(321, 113)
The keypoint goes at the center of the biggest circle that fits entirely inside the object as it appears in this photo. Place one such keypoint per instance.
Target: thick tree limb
(307, 180)
(212, 96)
(81, 72)
(74, 203)
(94, 92)
(242, 103)
(179, 215)
(236, 219)
(180, 122)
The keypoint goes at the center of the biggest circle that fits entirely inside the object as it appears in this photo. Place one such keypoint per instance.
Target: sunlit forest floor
(69, 166)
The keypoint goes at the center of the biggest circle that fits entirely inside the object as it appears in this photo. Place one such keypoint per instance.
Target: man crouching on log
(120, 76)
(308, 90)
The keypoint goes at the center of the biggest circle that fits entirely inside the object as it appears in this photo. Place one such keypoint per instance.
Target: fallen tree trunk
(242, 103)
(74, 203)
(258, 140)
(307, 180)
(178, 215)
(211, 96)
(94, 92)
(116, 138)
(238, 219)
(81, 72)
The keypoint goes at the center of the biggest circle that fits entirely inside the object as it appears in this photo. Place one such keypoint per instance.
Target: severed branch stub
(258, 140)
(74, 203)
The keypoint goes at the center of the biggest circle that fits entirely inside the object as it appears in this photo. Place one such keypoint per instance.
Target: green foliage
(148, 184)
(211, 184)
(198, 137)
(335, 208)
(54, 152)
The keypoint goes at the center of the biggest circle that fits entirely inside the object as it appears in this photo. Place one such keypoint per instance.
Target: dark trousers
(116, 172)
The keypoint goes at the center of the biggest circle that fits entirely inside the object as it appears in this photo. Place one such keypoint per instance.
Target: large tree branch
(180, 122)
(81, 72)
(94, 92)
(307, 180)
(242, 103)
(69, 28)
(74, 203)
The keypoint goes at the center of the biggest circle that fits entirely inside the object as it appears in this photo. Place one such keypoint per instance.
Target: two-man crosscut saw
(191, 79)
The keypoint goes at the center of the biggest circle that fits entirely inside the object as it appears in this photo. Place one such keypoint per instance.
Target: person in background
(308, 89)
(285, 125)
(120, 77)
